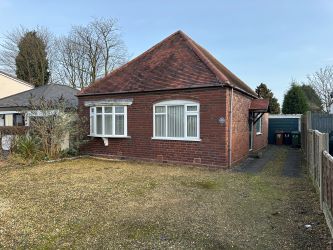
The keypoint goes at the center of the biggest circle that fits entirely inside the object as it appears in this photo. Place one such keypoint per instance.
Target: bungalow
(174, 103)
(15, 110)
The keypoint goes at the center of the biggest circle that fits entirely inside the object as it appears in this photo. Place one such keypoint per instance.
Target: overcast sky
(260, 41)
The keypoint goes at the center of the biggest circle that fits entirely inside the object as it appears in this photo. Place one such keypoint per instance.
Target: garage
(282, 123)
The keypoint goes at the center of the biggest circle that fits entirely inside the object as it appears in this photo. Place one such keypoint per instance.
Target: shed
(281, 122)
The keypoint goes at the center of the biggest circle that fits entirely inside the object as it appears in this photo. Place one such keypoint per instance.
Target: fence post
(325, 147)
(309, 119)
(308, 150)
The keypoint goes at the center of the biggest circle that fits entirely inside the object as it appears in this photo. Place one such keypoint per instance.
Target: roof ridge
(223, 78)
(131, 61)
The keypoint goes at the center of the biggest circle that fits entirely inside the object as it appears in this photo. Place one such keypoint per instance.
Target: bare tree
(77, 59)
(90, 52)
(9, 48)
(113, 49)
(72, 67)
(322, 82)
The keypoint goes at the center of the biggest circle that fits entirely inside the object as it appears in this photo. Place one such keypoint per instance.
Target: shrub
(27, 147)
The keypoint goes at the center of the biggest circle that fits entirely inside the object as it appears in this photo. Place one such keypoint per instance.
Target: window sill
(111, 136)
(176, 139)
(258, 133)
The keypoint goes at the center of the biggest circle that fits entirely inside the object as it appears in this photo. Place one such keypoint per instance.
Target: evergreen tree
(31, 62)
(266, 93)
(295, 101)
(313, 99)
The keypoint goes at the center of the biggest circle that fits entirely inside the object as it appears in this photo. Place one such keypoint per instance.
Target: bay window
(176, 120)
(108, 121)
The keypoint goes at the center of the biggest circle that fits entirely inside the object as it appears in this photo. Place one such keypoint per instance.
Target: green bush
(70, 152)
(27, 147)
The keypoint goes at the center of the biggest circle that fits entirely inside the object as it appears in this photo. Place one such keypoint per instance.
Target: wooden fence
(322, 122)
(320, 165)
(326, 194)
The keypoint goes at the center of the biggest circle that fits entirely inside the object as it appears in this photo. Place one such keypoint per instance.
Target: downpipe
(230, 126)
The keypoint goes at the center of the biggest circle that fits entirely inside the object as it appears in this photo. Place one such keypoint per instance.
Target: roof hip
(177, 62)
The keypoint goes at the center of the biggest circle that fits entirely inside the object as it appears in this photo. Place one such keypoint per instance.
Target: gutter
(230, 126)
(149, 91)
(240, 90)
(222, 84)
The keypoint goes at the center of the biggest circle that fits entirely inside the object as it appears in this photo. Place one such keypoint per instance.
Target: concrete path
(255, 165)
(292, 164)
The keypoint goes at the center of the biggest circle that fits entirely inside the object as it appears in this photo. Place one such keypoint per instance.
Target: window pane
(192, 126)
(18, 120)
(192, 108)
(2, 120)
(258, 126)
(160, 125)
(175, 121)
(160, 109)
(92, 125)
(108, 124)
(99, 124)
(92, 110)
(108, 109)
(119, 124)
(99, 109)
(120, 109)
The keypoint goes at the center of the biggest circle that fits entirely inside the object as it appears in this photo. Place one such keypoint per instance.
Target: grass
(89, 203)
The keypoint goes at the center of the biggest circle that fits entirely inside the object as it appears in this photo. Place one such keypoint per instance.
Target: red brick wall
(260, 141)
(211, 150)
(240, 128)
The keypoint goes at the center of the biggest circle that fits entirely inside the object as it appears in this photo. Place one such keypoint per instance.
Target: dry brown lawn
(89, 203)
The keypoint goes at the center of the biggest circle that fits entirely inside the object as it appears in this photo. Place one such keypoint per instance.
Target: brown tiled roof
(177, 62)
(259, 105)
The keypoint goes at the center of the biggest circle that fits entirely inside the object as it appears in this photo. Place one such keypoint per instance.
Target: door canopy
(258, 108)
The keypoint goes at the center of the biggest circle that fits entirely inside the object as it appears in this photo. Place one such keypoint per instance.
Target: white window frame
(184, 103)
(113, 114)
(259, 131)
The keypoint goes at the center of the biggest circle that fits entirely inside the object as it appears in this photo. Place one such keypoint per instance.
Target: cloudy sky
(260, 41)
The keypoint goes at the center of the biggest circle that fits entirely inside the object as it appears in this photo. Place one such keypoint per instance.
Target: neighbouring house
(174, 103)
(15, 110)
(10, 85)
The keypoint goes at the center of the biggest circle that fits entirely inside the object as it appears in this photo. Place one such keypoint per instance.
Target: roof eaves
(16, 79)
(243, 91)
(148, 91)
